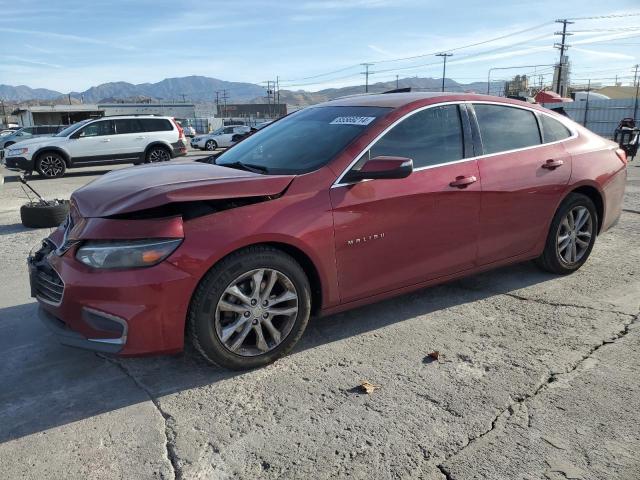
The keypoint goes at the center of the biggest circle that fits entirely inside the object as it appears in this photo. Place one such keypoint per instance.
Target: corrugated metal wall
(599, 116)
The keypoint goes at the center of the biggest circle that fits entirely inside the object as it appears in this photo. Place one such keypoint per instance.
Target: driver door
(94, 142)
(391, 234)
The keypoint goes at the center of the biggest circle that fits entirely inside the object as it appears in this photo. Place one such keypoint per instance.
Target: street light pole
(444, 65)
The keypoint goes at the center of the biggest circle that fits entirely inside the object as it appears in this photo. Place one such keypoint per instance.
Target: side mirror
(382, 168)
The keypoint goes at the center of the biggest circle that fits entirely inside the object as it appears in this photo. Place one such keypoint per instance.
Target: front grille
(47, 284)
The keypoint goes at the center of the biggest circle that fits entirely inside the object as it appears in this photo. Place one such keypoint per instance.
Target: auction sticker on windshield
(352, 120)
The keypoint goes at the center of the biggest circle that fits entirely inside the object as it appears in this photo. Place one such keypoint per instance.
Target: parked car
(335, 206)
(222, 137)
(28, 133)
(8, 131)
(103, 141)
(189, 131)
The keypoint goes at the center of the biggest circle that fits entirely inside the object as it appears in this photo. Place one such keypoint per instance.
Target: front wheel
(211, 145)
(571, 236)
(250, 309)
(51, 165)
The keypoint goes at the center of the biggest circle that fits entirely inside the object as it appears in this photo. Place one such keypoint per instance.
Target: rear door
(395, 233)
(93, 143)
(130, 139)
(522, 180)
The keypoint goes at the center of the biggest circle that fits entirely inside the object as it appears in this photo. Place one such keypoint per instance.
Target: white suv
(222, 137)
(102, 141)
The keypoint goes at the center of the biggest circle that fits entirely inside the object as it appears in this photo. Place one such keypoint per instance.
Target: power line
(422, 55)
(598, 17)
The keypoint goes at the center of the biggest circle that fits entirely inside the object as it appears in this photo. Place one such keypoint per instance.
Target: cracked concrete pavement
(538, 378)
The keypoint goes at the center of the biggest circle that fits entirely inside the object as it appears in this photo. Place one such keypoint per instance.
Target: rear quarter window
(553, 130)
(156, 125)
(504, 128)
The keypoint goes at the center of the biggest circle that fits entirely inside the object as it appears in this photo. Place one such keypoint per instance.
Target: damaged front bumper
(126, 312)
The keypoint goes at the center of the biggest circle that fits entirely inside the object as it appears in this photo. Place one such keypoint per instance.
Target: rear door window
(504, 128)
(553, 130)
(430, 137)
(156, 124)
(128, 125)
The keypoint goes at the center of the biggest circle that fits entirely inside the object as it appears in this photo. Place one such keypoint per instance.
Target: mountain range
(203, 89)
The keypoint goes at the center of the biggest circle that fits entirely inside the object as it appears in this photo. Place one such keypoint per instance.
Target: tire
(157, 154)
(51, 165)
(206, 318)
(559, 255)
(38, 215)
(210, 145)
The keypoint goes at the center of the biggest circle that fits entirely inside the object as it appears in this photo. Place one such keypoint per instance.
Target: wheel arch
(596, 197)
(299, 255)
(158, 143)
(63, 154)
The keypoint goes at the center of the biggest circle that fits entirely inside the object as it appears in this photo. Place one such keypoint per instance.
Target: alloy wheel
(158, 155)
(574, 235)
(256, 312)
(210, 145)
(51, 165)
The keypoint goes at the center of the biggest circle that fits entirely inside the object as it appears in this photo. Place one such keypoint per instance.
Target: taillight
(180, 129)
(622, 155)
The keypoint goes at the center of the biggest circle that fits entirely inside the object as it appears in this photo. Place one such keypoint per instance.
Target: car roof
(401, 99)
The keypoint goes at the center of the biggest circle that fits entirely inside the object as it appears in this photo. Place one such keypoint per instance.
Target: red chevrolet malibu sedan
(335, 206)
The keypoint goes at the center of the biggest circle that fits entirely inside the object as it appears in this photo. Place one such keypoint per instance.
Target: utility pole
(366, 76)
(224, 99)
(278, 94)
(562, 47)
(183, 98)
(636, 82)
(444, 65)
(586, 105)
(397, 76)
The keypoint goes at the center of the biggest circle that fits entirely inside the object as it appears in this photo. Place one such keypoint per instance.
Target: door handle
(552, 164)
(463, 182)
(106, 140)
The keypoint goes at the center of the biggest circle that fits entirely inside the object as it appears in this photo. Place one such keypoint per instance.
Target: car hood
(149, 186)
(34, 141)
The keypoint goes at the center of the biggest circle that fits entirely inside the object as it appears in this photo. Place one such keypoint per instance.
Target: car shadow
(13, 228)
(46, 385)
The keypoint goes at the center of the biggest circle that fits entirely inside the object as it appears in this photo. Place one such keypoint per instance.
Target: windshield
(70, 129)
(303, 141)
(217, 132)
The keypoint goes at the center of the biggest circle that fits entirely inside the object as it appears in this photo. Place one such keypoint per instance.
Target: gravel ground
(538, 377)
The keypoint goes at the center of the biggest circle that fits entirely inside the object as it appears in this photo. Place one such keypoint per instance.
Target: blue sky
(74, 44)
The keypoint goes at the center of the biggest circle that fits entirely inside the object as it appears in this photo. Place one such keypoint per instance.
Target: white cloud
(596, 53)
(65, 36)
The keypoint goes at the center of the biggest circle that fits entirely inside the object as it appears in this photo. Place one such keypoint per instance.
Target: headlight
(126, 253)
(18, 151)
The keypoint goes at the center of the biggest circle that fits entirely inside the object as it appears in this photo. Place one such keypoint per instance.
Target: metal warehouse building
(68, 114)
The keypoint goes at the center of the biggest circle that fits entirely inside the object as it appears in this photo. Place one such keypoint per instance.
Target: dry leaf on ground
(368, 387)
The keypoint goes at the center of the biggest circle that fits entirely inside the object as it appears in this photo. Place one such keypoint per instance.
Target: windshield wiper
(245, 166)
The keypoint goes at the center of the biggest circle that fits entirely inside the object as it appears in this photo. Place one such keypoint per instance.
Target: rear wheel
(158, 154)
(571, 236)
(210, 145)
(51, 165)
(250, 309)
